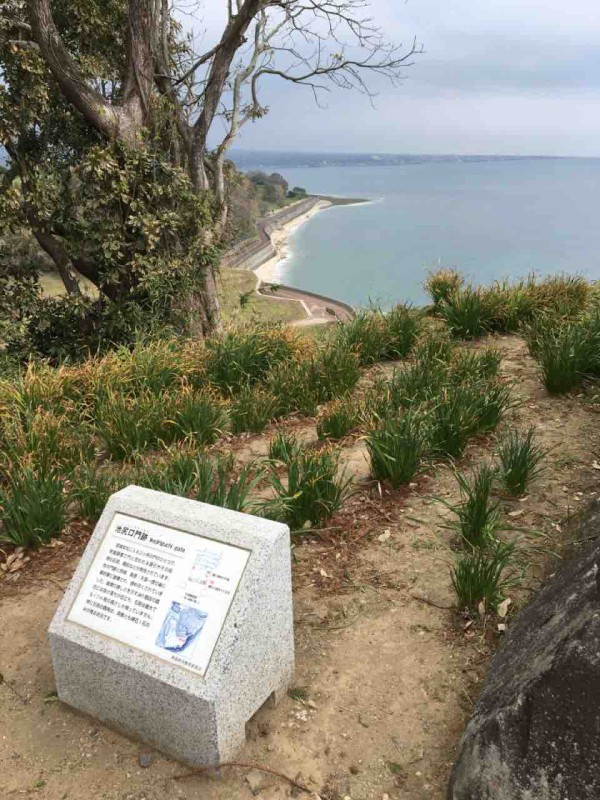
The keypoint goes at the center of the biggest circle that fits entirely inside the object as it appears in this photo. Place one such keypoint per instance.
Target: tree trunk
(58, 254)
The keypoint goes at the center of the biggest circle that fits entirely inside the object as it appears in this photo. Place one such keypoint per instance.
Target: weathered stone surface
(535, 732)
(199, 719)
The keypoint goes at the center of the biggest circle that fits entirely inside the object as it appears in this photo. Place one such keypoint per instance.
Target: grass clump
(396, 448)
(481, 576)
(470, 312)
(374, 335)
(477, 516)
(520, 460)
(465, 313)
(91, 487)
(338, 420)
(243, 356)
(129, 424)
(215, 483)
(565, 351)
(309, 492)
(33, 508)
(252, 409)
(443, 283)
(284, 447)
(200, 416)
(207, 479)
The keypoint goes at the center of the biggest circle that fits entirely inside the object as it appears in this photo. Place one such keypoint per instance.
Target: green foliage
(520, 460)
(91, 487)
(374, 335)
(32, 507)
(252, 409)
(130, 424)
(309, 492)
(401, 326)
(477, 515)
(200, 417)
(465, 313)
(396, 448)
(566, 351)
(338, 420)
(443, 283)
(482, 576)
(470, 312)
(245, 355)
(207, 479)
(217, 486)
(284, 447)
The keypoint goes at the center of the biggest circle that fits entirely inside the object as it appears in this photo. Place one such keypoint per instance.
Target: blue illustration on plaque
(180, 628)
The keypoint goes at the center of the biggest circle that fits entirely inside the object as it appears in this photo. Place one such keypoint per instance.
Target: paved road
(319, 310)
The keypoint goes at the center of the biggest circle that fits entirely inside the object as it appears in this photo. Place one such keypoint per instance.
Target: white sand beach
(267, 272)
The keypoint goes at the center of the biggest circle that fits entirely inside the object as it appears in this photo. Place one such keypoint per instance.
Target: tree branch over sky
(116, 80)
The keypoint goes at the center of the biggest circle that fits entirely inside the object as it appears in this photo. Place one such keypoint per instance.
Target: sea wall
(252, 253)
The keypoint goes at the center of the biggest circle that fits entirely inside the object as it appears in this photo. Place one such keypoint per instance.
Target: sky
(497, 77)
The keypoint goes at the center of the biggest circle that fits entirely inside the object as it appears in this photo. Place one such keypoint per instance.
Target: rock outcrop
(535, 731)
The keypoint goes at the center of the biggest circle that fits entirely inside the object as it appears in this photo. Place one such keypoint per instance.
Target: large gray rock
(535, 732)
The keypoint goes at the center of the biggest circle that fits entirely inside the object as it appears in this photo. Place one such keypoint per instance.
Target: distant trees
(105, 112)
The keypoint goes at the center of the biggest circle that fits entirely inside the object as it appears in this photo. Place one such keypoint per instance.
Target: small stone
(256, 781)
(145, 759)
(384, 536)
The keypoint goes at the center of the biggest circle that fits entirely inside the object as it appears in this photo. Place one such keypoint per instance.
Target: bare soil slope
(386, 669)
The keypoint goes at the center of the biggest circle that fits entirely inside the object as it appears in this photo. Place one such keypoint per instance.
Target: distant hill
(273, 159)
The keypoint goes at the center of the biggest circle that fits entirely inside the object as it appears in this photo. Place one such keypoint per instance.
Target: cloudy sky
(497, 76)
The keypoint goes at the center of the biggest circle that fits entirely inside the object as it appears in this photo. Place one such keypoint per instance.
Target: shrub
(477, 517)
(252, 410)
(442, 283)
(245, 355)
(338, 420)
(33, 508)
(481, 576)
(465, 313)
(310, 491)
(520, 460)
(396, 448)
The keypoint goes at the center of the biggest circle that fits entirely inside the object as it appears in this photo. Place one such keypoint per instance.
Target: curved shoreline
(279, 237)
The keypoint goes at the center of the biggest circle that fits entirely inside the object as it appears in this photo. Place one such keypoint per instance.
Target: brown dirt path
(389, 672)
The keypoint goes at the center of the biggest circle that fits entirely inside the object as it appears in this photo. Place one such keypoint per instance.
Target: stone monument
(177, 625)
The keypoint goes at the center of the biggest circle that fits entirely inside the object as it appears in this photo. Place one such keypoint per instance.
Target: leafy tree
(105, 113)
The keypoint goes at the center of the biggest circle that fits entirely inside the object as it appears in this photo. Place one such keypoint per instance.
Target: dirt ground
(387, 671)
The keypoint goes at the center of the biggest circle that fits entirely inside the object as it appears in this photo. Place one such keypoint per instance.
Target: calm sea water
(491, 220)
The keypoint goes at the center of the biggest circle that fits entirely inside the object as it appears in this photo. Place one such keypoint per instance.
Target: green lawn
(233, 284)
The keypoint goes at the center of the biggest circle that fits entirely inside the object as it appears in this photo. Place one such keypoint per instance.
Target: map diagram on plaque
(163, 591)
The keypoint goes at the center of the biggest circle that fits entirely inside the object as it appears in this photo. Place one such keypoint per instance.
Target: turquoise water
(491, 220)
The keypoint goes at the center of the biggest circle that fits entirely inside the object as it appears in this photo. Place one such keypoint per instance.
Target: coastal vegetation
(416, 468)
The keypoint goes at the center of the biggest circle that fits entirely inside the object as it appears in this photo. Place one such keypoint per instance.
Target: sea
(492, 218)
